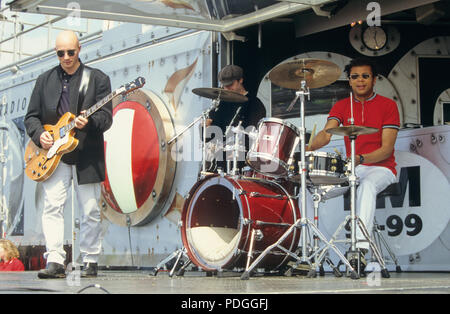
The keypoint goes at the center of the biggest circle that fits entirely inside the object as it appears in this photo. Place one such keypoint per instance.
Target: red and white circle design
(132, 157)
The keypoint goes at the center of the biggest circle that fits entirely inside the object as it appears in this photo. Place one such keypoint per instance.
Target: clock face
(374, 37)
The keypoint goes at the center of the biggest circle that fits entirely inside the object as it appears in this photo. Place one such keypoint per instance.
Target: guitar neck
(94, 108)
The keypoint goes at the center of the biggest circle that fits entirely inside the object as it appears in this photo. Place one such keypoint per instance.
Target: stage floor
(142, 282)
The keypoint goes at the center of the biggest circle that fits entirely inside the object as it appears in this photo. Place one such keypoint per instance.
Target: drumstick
(313, 133)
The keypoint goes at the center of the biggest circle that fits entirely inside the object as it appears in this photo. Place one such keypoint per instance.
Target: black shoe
(89, 270)
(52, 271)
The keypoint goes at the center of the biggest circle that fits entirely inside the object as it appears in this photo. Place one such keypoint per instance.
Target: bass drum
(220, 213)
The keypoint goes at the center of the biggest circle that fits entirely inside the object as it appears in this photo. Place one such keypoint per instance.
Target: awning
(212, 15)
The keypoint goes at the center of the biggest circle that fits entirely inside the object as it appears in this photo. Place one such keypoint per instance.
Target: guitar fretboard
(68, 127)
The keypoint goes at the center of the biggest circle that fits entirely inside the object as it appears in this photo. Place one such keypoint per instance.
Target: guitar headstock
(137, 83)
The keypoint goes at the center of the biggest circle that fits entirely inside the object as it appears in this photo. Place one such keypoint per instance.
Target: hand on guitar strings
(81, 121)
(46, 140)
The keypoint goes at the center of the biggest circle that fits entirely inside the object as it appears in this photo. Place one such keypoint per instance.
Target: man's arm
(32, 121)
(101, 120)
(388, 138)
(323, 137)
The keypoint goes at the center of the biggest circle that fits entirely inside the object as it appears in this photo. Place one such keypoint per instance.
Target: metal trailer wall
(123, 53)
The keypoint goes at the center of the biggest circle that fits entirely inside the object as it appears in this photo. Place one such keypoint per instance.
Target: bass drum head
(216, 228)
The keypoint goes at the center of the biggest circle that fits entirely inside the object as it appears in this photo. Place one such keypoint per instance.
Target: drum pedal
(295, 269)
(355, 259)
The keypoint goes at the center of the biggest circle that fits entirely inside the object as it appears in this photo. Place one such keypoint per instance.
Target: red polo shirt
(377, 112)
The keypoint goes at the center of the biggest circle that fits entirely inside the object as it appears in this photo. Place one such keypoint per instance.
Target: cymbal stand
(204, 116)
(355, 253)
(303, 222)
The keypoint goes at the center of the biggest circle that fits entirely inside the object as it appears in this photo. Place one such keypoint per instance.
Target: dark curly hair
(361, 62)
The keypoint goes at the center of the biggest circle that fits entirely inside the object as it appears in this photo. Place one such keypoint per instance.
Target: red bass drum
(220, 213)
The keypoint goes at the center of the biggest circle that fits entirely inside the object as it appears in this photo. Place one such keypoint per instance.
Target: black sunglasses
(356, 76)
(70, 52)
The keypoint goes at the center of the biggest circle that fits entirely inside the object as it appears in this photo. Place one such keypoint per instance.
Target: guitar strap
(83, 85)
(72, 157)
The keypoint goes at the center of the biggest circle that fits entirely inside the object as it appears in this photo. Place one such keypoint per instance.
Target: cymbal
(221, 94)
(350, 130)
(316, 73)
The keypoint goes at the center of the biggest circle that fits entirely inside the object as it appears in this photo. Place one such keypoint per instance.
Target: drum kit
(253, 218)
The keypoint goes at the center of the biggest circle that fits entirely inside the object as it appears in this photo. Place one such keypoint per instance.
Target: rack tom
(273, 149)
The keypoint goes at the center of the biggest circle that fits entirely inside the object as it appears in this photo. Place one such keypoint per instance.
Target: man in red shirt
(375, 161)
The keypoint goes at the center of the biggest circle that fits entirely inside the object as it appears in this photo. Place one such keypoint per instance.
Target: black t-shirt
(250, 114)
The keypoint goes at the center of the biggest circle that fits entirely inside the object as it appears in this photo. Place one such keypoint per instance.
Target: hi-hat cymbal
(221, 94)
(351, 130)
(316, 73)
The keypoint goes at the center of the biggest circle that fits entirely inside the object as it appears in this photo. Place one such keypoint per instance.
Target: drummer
(375, 161)
(231, 78)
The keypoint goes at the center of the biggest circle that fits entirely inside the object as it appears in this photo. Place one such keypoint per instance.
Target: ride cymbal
(317, 73)
(351, 130)
(221, 94)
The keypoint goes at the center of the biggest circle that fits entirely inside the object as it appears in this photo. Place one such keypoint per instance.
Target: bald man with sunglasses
(72, 87)
(375, 161)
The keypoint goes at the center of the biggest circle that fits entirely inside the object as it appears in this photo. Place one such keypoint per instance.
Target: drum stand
(182, 252)
(317, 198)
(355, 222)
(204, 116)
(178, 254)
(302, 223)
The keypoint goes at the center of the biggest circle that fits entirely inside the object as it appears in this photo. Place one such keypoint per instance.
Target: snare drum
(220, 213)
(325, 168)
(273, 149)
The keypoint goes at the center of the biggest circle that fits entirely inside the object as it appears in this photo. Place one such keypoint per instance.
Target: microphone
(232, 120)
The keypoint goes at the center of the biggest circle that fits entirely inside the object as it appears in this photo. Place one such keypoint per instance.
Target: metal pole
(353, 195)
(302, 168)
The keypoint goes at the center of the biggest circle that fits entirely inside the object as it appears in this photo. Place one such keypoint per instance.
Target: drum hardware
(235, 149)
(204, 116)
(235, 170)
(232, 121)
(305, 75)
(318, 194)
(177, 255)
(275, 224)
(356, 253)
(257, 194)
(379, 239)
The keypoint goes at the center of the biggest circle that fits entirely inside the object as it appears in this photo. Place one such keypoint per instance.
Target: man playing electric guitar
(71, 87)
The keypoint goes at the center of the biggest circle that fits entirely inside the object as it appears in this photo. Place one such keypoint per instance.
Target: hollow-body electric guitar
(41, 163)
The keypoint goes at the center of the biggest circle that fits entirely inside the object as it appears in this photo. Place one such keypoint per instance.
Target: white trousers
(56, 190)
(372, 180)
